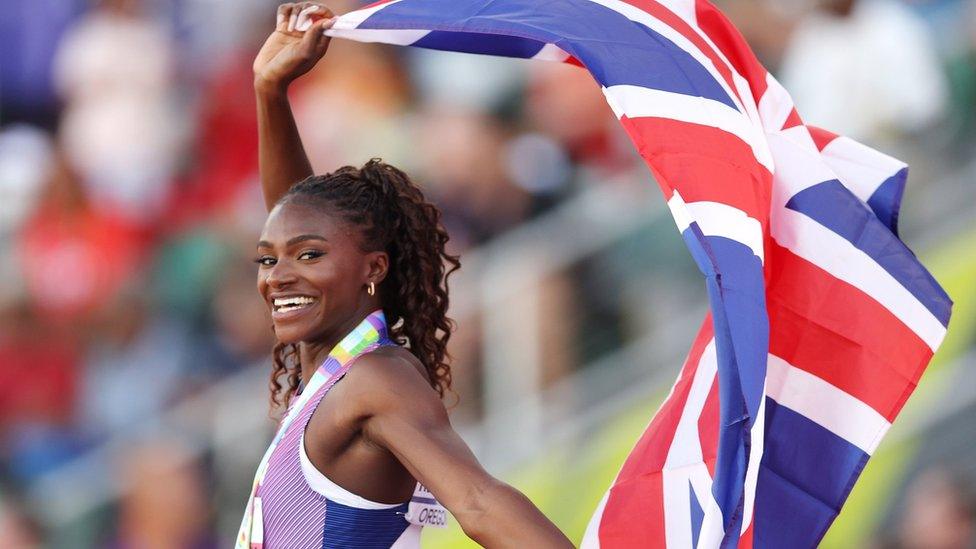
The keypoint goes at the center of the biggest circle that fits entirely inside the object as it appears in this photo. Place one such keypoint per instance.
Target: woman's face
(312, 272)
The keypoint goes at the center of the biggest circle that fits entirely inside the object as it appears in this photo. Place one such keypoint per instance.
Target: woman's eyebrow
(303, 238)
(293, 241)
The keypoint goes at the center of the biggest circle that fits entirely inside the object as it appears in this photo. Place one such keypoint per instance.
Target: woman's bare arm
(295, 46)
(403, 414)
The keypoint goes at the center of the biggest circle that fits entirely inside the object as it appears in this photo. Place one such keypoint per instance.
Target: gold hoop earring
(371, 289)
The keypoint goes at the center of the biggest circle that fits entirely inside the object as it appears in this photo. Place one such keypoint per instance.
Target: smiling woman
(353, 268)
(339, 246)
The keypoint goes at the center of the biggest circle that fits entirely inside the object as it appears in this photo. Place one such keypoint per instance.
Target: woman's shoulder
(392, 360)
(389, 376)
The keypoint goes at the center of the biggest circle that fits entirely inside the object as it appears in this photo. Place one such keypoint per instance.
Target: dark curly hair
(395, 217)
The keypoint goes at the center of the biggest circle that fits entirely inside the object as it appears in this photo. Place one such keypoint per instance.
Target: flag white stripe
(684, 9)
(685, 452)
(384, 36)
(354, 18)
(775, 105)
(836, 255)
(347, 26)
(712, 529)
(859, 168)
(551, 52)
(639, 102)
(799, 136)
(638, 15)
(686, 445)
(825, 404)
(591, 538)
(758, 440)
(717, 219)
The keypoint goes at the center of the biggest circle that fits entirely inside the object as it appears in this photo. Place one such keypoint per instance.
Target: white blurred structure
(120, 130)
(867, 74)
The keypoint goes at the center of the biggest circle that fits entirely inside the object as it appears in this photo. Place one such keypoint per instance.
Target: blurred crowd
(129, 201)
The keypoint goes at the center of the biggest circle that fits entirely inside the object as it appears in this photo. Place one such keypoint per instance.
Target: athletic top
(295, 506)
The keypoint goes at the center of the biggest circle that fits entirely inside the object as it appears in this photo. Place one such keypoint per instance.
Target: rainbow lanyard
(371, 331)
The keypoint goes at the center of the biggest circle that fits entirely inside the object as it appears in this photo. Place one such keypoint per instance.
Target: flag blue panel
(614, 48)
(886, 200)
(830, 204)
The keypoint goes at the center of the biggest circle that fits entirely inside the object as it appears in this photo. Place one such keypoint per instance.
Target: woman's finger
(310, 40)
(308, 14)
(292, 19)
(283, 15)
(319, 30)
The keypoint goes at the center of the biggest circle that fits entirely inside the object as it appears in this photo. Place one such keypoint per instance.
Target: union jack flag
(821, 320)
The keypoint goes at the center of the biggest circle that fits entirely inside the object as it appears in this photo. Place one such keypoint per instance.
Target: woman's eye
(310, 254)
(265, 261)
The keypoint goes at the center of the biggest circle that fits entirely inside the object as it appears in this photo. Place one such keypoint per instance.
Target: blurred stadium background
(134, 349)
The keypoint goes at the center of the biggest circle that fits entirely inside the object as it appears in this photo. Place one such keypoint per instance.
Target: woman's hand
(295, 46)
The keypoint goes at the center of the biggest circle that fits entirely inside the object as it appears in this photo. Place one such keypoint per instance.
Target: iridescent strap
(370, 333)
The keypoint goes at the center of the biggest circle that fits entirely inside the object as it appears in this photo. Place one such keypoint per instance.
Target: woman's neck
(314, 353)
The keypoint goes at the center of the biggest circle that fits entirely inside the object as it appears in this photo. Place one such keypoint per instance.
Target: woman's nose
(280, 275)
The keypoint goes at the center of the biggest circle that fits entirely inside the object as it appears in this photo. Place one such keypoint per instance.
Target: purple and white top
(294, 505)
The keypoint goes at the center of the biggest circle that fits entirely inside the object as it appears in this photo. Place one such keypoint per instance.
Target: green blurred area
(568, 482)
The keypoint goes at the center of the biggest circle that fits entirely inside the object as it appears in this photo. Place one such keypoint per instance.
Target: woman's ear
(378, 264)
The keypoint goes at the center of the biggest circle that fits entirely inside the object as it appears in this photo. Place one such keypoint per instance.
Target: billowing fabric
(821, 320)
(286, 510)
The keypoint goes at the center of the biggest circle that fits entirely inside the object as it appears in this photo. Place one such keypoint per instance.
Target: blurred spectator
(134, 366)
(961, 66)
(30, 31)
(241, 334)
(352, 106)
(74, 257)
(17, 529)
(120, 130)
(476, 82)
(538, 165)
(864, 68)
(461, 169)
(939, 513)
(564, 103)
(165, 505)
(39, 378)
(25, 166)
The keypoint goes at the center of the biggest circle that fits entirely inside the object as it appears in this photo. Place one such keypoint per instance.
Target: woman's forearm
(281, 156)
(500, 516)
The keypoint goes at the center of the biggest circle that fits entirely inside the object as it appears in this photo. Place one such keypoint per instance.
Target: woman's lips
(289, 308)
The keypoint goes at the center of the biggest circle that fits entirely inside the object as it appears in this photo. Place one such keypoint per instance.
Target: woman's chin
(289, 335)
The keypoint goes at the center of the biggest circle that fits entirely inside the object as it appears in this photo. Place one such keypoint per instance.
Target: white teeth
(285, 304)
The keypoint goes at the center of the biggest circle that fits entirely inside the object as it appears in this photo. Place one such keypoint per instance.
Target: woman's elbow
(475, 514)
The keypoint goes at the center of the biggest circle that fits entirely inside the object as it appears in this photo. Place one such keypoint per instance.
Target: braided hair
(394, 217)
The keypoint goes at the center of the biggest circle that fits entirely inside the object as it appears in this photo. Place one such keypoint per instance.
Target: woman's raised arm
(295, 46)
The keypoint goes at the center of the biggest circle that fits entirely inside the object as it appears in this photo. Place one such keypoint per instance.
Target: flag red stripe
(821, 137)
(638, 489)
(835, 331)
(672, 20)
(694, 157)
(730, 41)
(708, 423)
(793, 120)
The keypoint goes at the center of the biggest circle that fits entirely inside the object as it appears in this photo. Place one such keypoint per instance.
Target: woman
(352, 265)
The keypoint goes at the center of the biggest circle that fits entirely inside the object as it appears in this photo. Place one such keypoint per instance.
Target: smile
(289, 304)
